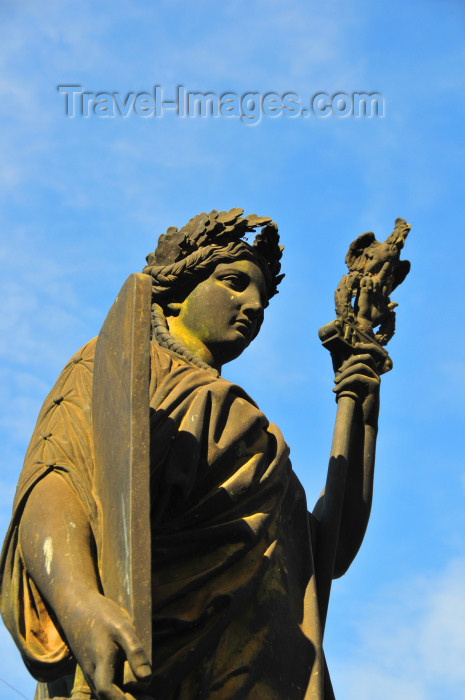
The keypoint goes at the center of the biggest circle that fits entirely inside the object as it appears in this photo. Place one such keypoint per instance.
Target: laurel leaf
(228, 217)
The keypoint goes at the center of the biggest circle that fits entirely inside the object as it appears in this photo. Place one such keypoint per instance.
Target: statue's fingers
(88, 669)
(356, 382)
(132, 648)
(372, 349)
(359, 358)
(365, 359)
(104, 677)
(359, 369)
(352, 369)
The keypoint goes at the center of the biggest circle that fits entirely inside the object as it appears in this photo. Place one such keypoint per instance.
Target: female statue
(235, 597)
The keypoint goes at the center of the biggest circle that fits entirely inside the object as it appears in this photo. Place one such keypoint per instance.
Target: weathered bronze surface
(121, 431)
(160, 545)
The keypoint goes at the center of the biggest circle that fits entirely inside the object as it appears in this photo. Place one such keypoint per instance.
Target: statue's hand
(357, 376)
(101, 635)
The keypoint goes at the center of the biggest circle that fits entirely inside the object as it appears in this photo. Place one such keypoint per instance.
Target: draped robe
(234, 599)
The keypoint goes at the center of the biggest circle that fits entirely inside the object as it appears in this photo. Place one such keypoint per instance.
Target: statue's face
(223, 313)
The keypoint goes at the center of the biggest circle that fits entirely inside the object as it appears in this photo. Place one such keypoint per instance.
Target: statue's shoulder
(85, 354)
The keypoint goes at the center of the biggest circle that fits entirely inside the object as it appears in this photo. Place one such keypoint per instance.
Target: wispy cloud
(410, 642)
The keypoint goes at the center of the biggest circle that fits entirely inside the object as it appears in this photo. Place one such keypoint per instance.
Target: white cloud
(411, 642)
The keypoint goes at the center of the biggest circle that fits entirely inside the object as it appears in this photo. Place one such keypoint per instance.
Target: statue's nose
(252, 308)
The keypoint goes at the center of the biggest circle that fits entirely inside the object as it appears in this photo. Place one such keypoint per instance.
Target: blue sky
(84, 201)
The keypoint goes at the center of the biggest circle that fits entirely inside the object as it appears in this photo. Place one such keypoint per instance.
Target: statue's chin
(228, 351)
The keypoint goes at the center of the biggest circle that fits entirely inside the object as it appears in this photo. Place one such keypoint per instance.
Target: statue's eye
(236, 281)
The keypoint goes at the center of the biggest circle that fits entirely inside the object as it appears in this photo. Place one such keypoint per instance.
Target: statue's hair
(186, 257)
(208, 239)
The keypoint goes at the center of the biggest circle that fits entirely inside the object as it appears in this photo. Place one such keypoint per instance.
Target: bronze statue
(160, 545)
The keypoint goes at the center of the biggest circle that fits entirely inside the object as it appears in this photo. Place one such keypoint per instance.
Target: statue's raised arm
(365, 323)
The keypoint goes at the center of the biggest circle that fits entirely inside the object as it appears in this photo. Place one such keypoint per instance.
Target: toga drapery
(234, 600)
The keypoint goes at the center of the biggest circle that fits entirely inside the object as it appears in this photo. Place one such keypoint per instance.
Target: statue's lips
(243, 325)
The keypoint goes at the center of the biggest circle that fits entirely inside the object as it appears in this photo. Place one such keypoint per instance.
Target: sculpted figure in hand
(235, 587)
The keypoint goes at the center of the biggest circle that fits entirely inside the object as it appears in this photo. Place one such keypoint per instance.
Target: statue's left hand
(101, 635)
(358, 377)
